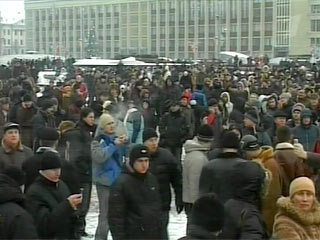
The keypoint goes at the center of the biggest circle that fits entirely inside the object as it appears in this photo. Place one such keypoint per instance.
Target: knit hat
(14, 173)
(252, 115)
(208, 213)
(10, 125)
(27, 98)
(105, 119)
(306, 113)
(138, 151)
(212, 102)
(230, 139)
(280, 113)
(205, 133)
(65, 126)
(50, 160)
(4, 100)
(249, 143)
(298, 107)
(301, 184)
(149, 133)
(46, 104)
(187, 96)
(48, 133)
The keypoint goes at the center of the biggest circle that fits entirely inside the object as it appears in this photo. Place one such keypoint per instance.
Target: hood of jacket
(284, 146)
(225, 94)
(9, 190)
(305, 218)
(195, 145)
(266, 153)
(249, 180)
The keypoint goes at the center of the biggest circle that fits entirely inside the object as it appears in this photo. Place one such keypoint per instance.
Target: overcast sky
(12, 10)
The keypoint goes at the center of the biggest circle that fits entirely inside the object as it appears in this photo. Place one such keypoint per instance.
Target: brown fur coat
(290, 223)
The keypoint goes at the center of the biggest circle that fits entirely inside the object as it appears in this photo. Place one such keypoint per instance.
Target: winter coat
(4, 118)
(135, 207)
(307, 136)
(291, 167)
(200, 98)
(14, 157)
(189, 116)
(47, 202)
(24, 118)
(195, 159)
(150, 118)
(15, 221)
(243, 218)
(42, 120)
(173, 129)
(32, 165)
(77, 150)
(107, 159)
(262, 136)
(134, 125)
(167, 170)
(214, 174)
(269, 208)
(291, 223)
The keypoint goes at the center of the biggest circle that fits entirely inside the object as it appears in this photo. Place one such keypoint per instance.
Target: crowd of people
(239, 148)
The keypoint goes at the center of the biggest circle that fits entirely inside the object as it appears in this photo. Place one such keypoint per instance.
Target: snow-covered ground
(176, 228)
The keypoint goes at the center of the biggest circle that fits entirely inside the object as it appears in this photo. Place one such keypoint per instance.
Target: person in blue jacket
(108, 153)
(307, 133)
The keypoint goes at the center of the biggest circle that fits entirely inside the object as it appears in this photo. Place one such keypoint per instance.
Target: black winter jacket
(47, 202)
(15, 221)
(167, 170)
(173, 129)
(32, 166)
(135, 207)
(216, 174)
(76, 144)
(243, 216)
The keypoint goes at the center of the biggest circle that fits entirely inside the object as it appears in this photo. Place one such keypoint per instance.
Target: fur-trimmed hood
(305, 218)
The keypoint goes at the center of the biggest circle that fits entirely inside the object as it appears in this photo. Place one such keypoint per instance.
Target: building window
(8, 41)
(8, 31)
(21, 42)
(315, 9)
(315, 25)
(256, 44)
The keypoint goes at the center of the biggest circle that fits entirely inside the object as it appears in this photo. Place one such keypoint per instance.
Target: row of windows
(15, 32)
(7, 42)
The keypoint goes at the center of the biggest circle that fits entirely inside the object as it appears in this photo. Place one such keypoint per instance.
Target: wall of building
(300, 28)
(170, 28)
(12, 38)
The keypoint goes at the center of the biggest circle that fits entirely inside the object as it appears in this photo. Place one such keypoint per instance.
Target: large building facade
(12, 38)
(185, 29)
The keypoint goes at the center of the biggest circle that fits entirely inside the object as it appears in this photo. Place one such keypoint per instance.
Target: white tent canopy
(227, 55)
(130, 61)
(96, 62)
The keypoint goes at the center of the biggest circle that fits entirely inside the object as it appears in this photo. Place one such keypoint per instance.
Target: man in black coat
(243, 211)
(168, 172)
(48, 139)
(15, 221)
(216, 174)
(174, 129)
(50, 203)
(134, 202)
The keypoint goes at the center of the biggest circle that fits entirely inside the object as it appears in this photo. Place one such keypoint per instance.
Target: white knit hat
(104, 120)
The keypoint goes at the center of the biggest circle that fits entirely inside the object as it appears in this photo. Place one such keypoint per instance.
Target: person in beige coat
(299, 214)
